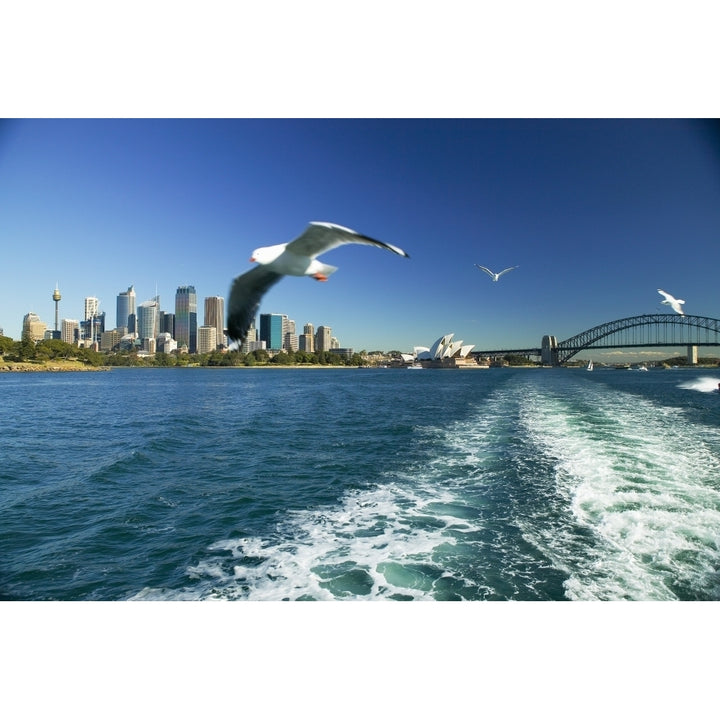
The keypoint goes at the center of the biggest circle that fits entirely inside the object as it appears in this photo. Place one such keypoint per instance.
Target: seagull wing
(319, 237)
(487, 270)
(502, 272)
(245, 295)
(667, 296)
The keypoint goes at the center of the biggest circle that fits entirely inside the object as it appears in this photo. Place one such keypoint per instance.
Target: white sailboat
(589, 365)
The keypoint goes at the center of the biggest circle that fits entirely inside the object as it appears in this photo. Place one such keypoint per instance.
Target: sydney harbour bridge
(661, 330)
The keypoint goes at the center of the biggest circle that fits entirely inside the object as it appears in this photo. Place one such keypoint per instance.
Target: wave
(640, 482)
(701, 384)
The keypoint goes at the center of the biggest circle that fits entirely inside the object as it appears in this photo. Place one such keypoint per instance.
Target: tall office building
(215, 316)
(207, 339)
(186, 317)
(92, 305)
(148, 319)
(167, 323)
(323, 338)
(70, 331)
(33, 328)
(125, 316)
(272, 330)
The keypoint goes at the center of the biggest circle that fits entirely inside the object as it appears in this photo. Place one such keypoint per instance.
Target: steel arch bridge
(661, 330)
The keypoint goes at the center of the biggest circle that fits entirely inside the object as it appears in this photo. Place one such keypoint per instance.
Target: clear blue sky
(598, 214)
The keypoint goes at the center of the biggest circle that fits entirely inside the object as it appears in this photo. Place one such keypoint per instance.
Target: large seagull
(672, 302)
(495, 276)
(298, 257)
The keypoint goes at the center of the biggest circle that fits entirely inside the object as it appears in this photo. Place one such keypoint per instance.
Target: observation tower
(56, 298)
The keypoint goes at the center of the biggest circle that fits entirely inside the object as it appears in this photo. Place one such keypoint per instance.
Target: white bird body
(297, 258)
(495, 276)
(674, 303)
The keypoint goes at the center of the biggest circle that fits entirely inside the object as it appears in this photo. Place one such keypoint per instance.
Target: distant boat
(415, 366)
(643, 368)
(589, 365)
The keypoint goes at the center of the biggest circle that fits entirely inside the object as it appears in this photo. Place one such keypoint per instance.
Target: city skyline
(146, 321)
(597, 214)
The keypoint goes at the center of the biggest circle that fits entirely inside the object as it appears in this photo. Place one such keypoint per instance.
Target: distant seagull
(672, 302)
(495, 276)
(294, 258)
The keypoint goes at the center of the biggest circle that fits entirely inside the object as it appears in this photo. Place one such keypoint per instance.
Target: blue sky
(598, 214)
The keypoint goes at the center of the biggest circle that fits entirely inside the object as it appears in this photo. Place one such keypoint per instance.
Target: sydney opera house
(444, 353)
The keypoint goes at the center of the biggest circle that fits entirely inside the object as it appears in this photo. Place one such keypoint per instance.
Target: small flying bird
(496, 276)
(672, 302)
(298, 257)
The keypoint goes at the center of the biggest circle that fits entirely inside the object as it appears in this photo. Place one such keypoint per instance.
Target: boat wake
(701, 384)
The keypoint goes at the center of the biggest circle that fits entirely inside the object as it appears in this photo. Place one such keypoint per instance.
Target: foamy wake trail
(370, 546)
(701, 384)
(406, 538)
(641, 484)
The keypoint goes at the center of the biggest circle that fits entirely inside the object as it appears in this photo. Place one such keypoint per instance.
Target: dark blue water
(360, 484)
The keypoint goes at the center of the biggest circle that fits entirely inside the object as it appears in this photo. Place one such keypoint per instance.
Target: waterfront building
(290, 343)
(125, 309)
(323, 339)
(272, 330)
(207, 339)
(306, 342)
(148, 319)
(165, 343)
(215, 316)
(167, 323)
(110, 338)
(92, 305)
(70, 331)
(443, 353)
(186, 317)
(251, 341)
(33, 327)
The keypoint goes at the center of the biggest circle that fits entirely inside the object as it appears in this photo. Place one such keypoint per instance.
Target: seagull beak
(252, 259)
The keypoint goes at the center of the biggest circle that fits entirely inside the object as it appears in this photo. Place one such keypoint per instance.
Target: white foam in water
(701, 384)
(644, 481)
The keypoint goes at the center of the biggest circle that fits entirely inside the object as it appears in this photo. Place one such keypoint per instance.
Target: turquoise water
(358, 484)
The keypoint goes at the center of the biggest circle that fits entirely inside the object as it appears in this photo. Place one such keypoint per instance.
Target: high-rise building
(215, 316)
(272, 330)
(92, 305)
(207, 339)
(126, 309)
(70, 332)
(167, 323)
(33, 328)
(148, 319)
(306, 342)
(323, 338)
(186, 317)
(251, 341)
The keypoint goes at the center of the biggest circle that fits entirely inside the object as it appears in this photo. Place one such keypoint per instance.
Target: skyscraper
(272, 330)
(323, 338)
(126, 309)
(186, 317)
(215, 316)
(147, 319)
(207, 339)
(33, 327)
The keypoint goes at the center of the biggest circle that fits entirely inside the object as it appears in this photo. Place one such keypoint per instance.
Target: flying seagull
(298, 257)
(672, 302)
(495, 276)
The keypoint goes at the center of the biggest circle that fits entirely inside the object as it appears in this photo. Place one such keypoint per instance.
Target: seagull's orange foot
(320, 277)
